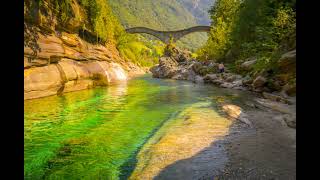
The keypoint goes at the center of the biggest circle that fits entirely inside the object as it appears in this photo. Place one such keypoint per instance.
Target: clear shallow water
(96, 133)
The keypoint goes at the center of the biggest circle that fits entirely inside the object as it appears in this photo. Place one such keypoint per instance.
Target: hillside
(199, 9)
(160, 15)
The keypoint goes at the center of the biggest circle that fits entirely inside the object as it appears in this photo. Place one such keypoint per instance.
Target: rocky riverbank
(277, 91)
(237, 138)
(67, 63)
(260, 144)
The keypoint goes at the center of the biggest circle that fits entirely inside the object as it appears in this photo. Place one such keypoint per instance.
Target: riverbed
(144, 128)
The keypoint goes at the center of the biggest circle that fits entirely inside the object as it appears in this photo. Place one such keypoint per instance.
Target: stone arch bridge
(165, 36)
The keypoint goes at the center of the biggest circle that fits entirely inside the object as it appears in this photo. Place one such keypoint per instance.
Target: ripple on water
(92, 133)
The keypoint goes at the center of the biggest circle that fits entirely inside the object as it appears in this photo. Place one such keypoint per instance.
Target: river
(98, 133)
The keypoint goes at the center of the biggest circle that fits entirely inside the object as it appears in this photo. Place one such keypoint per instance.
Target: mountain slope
(199, 9)
(160, 15)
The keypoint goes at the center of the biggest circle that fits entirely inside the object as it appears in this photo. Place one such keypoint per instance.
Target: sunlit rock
(236, 112)
(192, 132)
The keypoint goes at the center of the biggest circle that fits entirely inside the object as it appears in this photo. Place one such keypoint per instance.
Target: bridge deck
(165, 36)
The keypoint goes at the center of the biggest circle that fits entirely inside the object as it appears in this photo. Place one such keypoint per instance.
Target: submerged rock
(237, 113)
(191, 133)
(276, 106)
(275, 97)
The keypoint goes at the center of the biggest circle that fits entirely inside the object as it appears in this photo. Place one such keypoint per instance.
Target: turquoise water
(96, 133)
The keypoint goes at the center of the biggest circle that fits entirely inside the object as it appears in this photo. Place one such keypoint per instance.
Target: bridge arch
(165, 36)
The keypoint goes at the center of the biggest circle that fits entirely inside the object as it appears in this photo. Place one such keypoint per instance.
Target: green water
(96, 133)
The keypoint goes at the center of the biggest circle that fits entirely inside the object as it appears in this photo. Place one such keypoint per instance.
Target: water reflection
(119, 89)
(92, 133)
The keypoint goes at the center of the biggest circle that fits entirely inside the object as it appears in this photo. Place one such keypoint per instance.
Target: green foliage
(139, 52)
(104, 23)
(223, 17)
(251, 28)
(169, 49)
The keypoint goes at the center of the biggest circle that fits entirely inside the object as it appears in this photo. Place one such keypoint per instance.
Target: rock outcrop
(181, 66)
(258, 83)
(67, 63)
(167, 68)
(288, 112)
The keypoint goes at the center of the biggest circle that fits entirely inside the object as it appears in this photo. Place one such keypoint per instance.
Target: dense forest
(261, 29)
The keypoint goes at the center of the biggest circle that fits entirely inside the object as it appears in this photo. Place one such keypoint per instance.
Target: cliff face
(68, 63)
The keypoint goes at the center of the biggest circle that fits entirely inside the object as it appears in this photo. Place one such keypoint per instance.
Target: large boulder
(236, 112)
(182, 73)
(155, 70)
(247, 80)
(237, 83)
(231, 78)
(210, 77)
(289, 89)
(274, 84)
(196, 67)
(42, 81)
(167, 68)
(259, 82)
(287, 62)
(248, 64)
(198, 79)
